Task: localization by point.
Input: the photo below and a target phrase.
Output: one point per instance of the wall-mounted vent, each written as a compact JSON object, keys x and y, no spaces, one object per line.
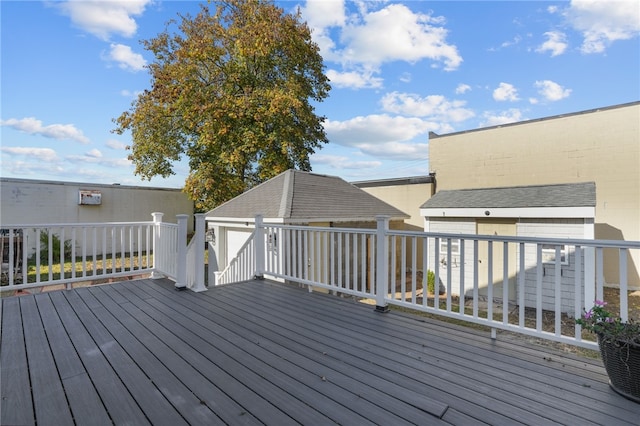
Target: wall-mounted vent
{"x":90,"y":198}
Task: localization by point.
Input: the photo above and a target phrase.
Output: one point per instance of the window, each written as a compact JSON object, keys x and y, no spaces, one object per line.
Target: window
{"x":549,"y":253}
{"x":455,"y":246}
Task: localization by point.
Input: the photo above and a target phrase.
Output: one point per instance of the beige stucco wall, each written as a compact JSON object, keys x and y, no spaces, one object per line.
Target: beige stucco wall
{"x":408,"y":198}
{"x":24,"y":202}
{"x":602,"y":146}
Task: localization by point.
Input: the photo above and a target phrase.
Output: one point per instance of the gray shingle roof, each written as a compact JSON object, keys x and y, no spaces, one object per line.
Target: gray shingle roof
{"x":562,"y":195}
{"x":299,"y":197}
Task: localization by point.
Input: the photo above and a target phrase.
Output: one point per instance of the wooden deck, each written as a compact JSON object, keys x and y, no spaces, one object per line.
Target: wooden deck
{"x":139,"y":352}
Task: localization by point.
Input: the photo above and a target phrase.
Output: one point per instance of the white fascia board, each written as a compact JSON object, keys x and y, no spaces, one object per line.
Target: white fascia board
{"x":529,"y":212}
{"x":226,"y":221}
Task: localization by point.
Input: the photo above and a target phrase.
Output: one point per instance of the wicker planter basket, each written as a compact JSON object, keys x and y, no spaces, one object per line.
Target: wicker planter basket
{"x":622,"y":362}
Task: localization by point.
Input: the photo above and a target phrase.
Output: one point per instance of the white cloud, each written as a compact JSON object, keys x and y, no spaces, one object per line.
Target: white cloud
{"x":396,"y":33}
{"x":126,"y":58}
{"x":341,"y":162}
{"x":435,"y":106}
{"x":603,"y":22}
{"x":556,"y":43}
{"x":114,"y":144}
{"x":385,"y":137}
{"x":41,"y":154}
{"x":33,"y":126}
{"x":34,"y":168}
{"x":94,"y":153}
{"x":397,"y":150}
{"x":551,"y":91}
{"x":405,"y":77}
{"x":129,"y":94}
{"x":462,"y":88}
{"x":322,"y":14}
{"x":104,"y":18}
{"x":353,"y":79}
{"x":516,"y":40}
{"x":365,"y":40}
{"x":505,"y":92}
{"x":373,"y":129}
{"x":96,"y":158}
{"x":510,"y":116}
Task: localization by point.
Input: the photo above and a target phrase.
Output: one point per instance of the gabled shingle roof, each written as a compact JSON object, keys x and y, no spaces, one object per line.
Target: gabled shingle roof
{"x":562,"y":195}
{"x":299,"y":197}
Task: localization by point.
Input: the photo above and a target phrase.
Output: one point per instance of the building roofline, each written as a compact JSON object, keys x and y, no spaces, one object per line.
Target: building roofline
{"x":412,"y":180}
{"x":85,"y":184}
{"x":433,"y":135}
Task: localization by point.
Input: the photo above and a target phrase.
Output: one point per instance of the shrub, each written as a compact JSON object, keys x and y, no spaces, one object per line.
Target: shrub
{"x":431,"y":281}
{"x":55,"y":247}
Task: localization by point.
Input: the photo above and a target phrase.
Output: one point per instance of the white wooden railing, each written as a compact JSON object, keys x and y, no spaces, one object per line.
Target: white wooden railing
{"x":533,"y":286}
{"x":195,"y":257}
{"x":40,"y":255}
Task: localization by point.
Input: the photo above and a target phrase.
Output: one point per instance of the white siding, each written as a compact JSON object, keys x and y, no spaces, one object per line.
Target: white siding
{"x":538,"y":228}
{"x":551,"y":228}
{"x":30,"y":202}
{"x":453,"y":226}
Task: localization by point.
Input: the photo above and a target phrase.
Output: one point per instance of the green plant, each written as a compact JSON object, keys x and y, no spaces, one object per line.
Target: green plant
{"x":431,"y":281}
{"x":600,"y":321}
{"x":55,"y":248}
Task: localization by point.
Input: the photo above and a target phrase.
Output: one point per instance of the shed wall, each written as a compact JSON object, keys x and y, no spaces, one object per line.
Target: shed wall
{"x":539,"y":228}
{"x":35,"y":202}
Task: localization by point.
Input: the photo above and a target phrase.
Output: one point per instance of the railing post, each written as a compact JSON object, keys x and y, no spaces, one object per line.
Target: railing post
{"x":199,"y":242}
{"x":589,"y":277}
{"x":382,"y":263}
{"x":589,"y":266}
{"x":181,"y":278}
{"x":259,"y":247}
{"x":157,"y":220}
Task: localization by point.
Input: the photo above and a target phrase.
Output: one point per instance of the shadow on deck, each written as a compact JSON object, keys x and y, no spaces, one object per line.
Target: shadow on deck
{"x":259,"y":352}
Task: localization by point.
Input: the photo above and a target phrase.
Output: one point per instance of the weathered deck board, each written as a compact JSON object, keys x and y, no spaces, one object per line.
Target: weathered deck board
{"x":82,"y":397}
{"x":325,"y":387}
{"x":265,"y":353}
{"x":48,"y":394}
{"x":17,"y":405}
{"x":118,"y":402}
{"x":300,"y":393}
{"x":394,"y":361}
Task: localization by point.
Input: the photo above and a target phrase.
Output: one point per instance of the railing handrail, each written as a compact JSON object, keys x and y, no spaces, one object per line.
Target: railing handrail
{"x":320,"y":228}
{"x":583,"y":242}
{"x":77,"y":224}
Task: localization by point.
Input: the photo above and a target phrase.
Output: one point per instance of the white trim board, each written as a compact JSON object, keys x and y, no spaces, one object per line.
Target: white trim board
{"x":528,"y":212}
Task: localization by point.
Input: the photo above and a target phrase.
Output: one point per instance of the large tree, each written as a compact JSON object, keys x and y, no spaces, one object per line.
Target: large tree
{"x":233,"y":91}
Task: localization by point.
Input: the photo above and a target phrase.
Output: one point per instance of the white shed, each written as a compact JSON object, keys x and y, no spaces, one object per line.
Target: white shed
{"x":542,"y":211}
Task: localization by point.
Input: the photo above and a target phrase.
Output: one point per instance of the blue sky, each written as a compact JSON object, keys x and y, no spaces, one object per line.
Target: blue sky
{"x":398,"y":70}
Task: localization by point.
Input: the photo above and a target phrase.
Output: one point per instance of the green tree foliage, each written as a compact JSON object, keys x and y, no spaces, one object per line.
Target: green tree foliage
{"x":233,"y":91}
